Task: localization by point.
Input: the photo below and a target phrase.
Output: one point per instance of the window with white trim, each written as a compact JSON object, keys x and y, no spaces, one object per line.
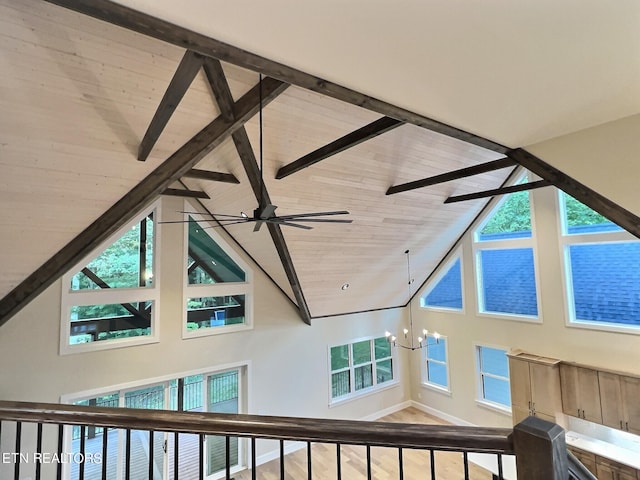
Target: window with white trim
{"x":360,"y":367}
{"x":492,"y":367}
{"x":109,"y":299}
{"x":217,"y":284}
{"x":445,"y":291}
{"x":602,"y":269}
{"x":505,"y":259}
{"x":436,"y":364}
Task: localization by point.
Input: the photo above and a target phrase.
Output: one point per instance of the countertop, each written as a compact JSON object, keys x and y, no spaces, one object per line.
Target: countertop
{"x":603,"y":449}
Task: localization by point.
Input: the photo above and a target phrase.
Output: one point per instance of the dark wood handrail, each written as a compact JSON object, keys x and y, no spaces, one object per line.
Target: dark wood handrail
{"x":405,"y":435}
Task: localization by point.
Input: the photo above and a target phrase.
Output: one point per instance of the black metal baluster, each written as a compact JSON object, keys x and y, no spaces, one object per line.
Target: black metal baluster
{"x":253,"y":458}
{"x":432,"y":456}
{"x":400,"y":464}
{"x":60,"y":438}
{"x":227,"y":456}
{"x":339,"y":471}
{"x":500,"y":472}
{"x":105,"y":434}
{"x":281,"y":459}
{"x":16,"y":464}
{"x":127,"y":456}
{"x":308,"y":460}
{"x":176,"y":442}
{"x":151,"y":454}
{"x":368,"y":462}
{"x":465,"y":461}
{"x":201,"y":457}
{"x":39,"y":450}
{"x":83,"y":431}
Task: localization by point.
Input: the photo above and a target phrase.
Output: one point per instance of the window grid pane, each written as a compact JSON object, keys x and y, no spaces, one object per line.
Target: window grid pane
{"x":494,"y":375}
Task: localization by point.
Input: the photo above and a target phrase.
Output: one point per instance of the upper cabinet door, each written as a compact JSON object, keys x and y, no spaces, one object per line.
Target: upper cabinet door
{"x":569,"y":384}
{"x":520,"y":384}
{"x":545,"y":389}
{"x":630,"y":390}
{"x":589,"y":395}
{"x":611,"y":400}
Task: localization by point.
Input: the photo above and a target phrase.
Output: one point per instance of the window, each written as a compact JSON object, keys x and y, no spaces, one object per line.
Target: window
{"x":112,"y":296}
{"x":602,"y":269}
{"x":218,"y":285}
{"x":505,"y":260}
{"x":446,"y":290}
{"x":493,"y":377}
{"x":436,"y":370}
{"x":220,"y":392}
{"x":360,"y":367}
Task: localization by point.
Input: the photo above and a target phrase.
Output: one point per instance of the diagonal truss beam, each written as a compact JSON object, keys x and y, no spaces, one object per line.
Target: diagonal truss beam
{"x":142,"y":194}
{"x":145,"y":24}
{"x":499,"y":191}
{"x":453,"y":175}
{"x":352,"y":139}
{"x":182,"y":79}
{"x":212,"y":176}
{"x":592,"y":199}
{"x":222,"y":94}
{"x":182,"y":192}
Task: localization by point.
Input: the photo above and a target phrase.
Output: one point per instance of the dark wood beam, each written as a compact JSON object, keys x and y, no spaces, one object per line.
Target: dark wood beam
{"x":352,"y":139}
{"x":142,"y":194}
{"x":145,"y":24}
{"x":182,"y":79}
{"x":212,"y":176}
{"x":219,"y":86}
{"x":453,"y":175}
{"x":179,"y":192}
{"x":222,"y":94}
{"x":592,"y":199}
{"x":499,"y":191}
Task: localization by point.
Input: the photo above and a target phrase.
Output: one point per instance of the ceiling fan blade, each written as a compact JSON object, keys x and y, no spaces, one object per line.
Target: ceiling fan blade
{"x":315,"y":214}
{"x":258,"y":225}
{"x":212,"y":214}
{"x":268,"y":211}
{"x":297,"y":225}
{"x":320,"y":220}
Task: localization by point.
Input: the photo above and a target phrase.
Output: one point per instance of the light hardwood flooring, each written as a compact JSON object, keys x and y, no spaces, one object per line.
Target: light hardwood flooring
{"x":384,"y":461}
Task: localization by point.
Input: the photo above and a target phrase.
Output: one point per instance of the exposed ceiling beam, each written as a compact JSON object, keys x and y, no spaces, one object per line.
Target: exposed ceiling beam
{"x":614,"y":212}
{"x":352,"y":139}
{"x":499,"y":191}
{"x":179,"y":192}
{"x":212,"y":176}
{"x":222,"y":93}
{"x":453,"y":175}
{"x":182,"y":79}
{"x":145,"y":24}
{"x":142,"y":194}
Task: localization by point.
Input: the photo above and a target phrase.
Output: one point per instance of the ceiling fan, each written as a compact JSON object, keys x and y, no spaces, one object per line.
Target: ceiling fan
{"x":265,"y":213}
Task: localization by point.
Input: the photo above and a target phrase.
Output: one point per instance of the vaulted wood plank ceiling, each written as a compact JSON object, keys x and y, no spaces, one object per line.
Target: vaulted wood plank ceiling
{"x":80,"y":94}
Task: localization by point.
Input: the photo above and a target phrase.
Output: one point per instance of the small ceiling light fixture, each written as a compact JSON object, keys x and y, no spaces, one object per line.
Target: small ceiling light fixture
{"x":409,"y":339}
{"x":345,"y":286}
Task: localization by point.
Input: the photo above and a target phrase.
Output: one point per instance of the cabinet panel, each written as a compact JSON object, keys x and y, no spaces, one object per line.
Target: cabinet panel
{"x":520,"y":383}
{"x":545,"y":389}
{"x":569,"y":387}
{"x":630,"y":391}
{"x":611,"y":400}
{"x":580,"y":392}
{"x":588,"y":459}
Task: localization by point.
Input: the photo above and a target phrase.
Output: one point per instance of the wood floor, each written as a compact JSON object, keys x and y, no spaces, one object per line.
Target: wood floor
{"x":384,"y":461}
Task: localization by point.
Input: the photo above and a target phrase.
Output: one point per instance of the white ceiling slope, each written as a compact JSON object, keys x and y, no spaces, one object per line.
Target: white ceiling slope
{"x":77,"y":95}
{"x":514,"y":72}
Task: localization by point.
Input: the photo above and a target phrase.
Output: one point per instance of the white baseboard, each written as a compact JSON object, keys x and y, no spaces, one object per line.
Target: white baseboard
{"x":387,"y":411}
{"x":442,"y":415}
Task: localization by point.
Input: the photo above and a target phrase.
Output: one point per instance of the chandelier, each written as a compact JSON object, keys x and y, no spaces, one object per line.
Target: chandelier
{"x":410,"y":342}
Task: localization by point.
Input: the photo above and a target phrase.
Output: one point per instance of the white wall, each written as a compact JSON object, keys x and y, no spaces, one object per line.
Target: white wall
{"x":552,"y":338}
{"x":288,"y":359}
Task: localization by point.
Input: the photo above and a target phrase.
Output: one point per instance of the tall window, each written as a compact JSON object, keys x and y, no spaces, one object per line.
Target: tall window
{"x":602,"y":269}
{"x":492,"y":368}
{"x":446,"y":289}
{"x":219,"y":392}
{"x":218,"y":284}
{"x":504,"y":258}
{"x":436,"y":369}
{"x":360,"y":367}
{"x":111,"y":297}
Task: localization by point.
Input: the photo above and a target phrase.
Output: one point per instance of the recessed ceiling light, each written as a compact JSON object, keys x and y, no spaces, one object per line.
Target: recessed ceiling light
{"x":344,"y":286}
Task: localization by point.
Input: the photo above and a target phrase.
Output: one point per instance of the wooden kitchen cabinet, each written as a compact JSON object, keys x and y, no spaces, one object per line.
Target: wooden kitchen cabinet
{"x":619,"y":399}
{"x":588,"y":459}
{"x":535,"y":387}
{"x":580,"y":392}
{"x":609,"y":470}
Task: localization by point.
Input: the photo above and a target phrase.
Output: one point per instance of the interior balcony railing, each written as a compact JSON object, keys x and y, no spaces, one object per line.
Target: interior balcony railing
{"x":36,"y":441}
